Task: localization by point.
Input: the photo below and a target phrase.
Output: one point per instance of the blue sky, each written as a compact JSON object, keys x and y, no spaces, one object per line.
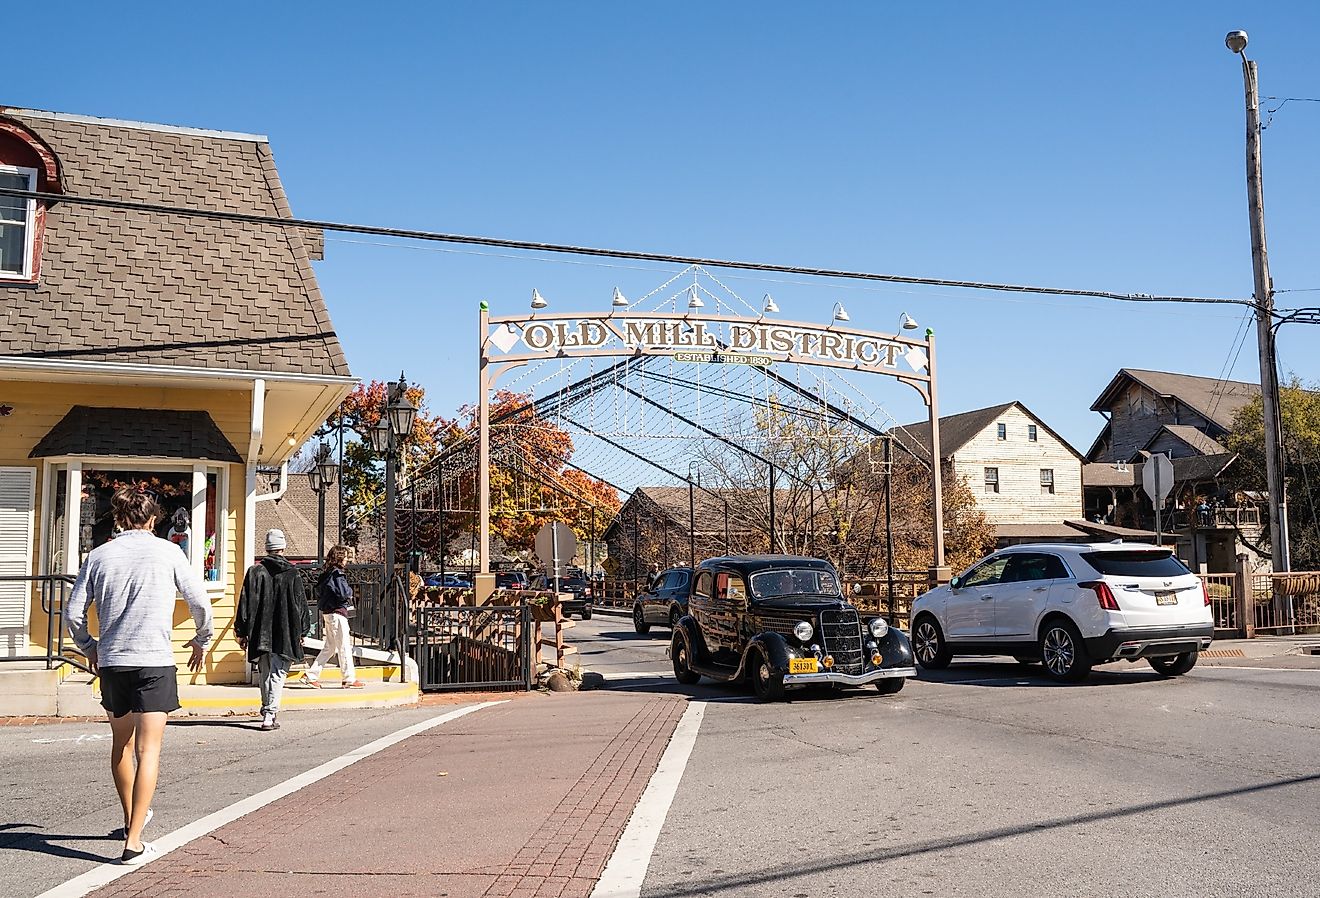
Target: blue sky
{"x":1081,"y":145}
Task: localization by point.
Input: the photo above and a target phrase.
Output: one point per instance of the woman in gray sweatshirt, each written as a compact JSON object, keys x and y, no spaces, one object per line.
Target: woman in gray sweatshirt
{"x":133,"y":580}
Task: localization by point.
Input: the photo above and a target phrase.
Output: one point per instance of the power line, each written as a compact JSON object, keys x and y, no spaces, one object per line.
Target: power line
{"x":508,"y":243}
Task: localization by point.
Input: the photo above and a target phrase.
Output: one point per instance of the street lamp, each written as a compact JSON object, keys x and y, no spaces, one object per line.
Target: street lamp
{"x":907,"y":322}
{"x":1236,"y":41}
{"x":770,"y":307}
{"x":692,"y":516}
{"x":322,"y":477}
{"x":840,"y":313}
{"x":388,"y":436}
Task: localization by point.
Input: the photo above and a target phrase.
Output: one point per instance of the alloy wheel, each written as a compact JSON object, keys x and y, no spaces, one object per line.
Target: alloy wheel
{"x":1058,"y":651}
{"x":926,"y":642}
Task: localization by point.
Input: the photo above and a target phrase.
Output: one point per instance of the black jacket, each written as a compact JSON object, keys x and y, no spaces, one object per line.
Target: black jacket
{"x":333,"y":592}
{"x":272,"y":610}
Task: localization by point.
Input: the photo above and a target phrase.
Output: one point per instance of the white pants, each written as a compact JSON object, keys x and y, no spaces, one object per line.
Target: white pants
{"x":338,"y":641}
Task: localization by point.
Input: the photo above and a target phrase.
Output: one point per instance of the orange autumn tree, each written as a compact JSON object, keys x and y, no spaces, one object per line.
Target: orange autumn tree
{"x":531,"y":482}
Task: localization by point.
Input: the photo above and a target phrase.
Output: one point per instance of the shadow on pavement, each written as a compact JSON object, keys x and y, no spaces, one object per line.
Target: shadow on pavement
{"x":1012,"y":674}
{"x":227,"y":723}
{"x":846,"y":862}
{"x":44,"y":843}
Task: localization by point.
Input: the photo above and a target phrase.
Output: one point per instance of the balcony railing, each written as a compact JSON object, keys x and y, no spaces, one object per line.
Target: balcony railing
{"x":1246,"y":518}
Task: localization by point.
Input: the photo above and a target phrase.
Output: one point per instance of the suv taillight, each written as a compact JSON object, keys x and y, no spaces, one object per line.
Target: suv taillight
{"x":1103,"y":594}
{"x":1205,"y":594}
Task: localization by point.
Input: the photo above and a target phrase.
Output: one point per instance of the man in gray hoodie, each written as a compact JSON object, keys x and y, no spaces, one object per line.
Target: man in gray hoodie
{"x":272,"y":618}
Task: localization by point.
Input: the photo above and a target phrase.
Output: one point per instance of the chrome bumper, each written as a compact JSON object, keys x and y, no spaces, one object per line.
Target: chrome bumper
{"x":848,"y":679}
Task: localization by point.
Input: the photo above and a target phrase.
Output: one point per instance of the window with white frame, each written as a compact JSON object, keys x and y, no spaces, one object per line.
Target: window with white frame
{"x":18,"y":223}
{"x":1002,"y":431}
{"x":992,"y":480}
{"x":1047,"y":481}
{"x":192,"y":499}
{"x":1032,"y":434}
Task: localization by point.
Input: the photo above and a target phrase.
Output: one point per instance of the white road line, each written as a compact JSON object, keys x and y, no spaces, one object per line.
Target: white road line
{"x":1209,"y":667}
{"x":615,"y":675}
{"x":107,"y":873}
{"x":627,"y":866}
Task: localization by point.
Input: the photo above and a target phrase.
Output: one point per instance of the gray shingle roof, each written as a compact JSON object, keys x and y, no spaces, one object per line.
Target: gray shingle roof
{"x":295,"y":513}
{"x":137,"y":432}
{"x":136,"y":287}
{"x":1193,"y":438}
{"x":1216,"y":400}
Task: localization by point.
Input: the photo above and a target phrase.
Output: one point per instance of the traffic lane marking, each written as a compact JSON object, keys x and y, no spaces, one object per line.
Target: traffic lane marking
{"x":626,"y":869}
{"x":107,"y":873}
{"x":85,"y":737}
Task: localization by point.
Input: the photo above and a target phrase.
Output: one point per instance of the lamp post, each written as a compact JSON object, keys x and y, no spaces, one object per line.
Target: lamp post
{"x":322,"y":477}
{"x":387,"y":438}
{"x":1236,"y":41}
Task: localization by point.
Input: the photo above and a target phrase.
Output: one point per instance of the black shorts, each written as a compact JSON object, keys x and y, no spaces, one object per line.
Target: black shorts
{"x":138,"y":689}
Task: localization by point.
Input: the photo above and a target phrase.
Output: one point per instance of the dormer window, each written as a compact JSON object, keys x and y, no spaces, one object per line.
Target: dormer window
{"x":18,"y":223}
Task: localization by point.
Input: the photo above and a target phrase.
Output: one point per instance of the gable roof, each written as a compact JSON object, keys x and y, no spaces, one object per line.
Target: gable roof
{"x":958,"y":430}
{"x":296,"y":513}
{"x":1215,"y":400}
{"x":1192,"y":437}
{"x":137,"y":287}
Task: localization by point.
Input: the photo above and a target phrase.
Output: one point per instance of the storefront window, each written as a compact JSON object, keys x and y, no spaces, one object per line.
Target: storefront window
{"x":192,"y":501}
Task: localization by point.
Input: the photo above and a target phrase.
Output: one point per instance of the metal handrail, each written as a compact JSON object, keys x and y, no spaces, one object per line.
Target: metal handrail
{"x":54,"y":656}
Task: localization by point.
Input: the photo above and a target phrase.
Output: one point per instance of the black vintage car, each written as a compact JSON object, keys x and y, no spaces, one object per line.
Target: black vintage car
{"x":780,"y":621}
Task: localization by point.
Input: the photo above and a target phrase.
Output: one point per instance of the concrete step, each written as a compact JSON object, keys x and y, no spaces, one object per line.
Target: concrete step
{"x":28,"y":689}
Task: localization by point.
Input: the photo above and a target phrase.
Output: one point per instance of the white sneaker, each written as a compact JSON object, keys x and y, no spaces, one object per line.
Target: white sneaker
{"x":122,"y":832}
{"x":149,"y":852}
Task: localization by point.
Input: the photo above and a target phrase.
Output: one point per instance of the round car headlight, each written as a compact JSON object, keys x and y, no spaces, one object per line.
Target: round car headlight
{"x":802,"y":630}
{"x":879,"y":627}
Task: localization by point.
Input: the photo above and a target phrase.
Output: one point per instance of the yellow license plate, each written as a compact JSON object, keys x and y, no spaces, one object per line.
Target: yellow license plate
{"x":803,"y":665}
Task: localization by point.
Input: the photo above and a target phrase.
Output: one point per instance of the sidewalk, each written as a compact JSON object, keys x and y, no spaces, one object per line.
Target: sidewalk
{"x":522,"y":799}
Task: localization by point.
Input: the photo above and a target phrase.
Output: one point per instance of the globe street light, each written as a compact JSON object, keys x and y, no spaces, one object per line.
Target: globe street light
{"x":322,"y":477}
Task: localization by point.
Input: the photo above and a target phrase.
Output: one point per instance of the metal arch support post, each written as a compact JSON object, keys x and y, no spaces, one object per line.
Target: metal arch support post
{"x":939,"y":572}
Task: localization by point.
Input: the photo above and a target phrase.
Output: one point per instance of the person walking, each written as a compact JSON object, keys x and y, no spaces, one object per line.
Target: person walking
{"x":133,"y":581}
{"x":272,"y":618}
{"x":334,"y":599}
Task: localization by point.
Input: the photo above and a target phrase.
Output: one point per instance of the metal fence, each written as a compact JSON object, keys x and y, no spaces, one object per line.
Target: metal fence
{"x":1246,"y":603}
{"x":487,"y":647}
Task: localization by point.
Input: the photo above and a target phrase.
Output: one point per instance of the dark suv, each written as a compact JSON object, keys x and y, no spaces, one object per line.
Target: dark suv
{"x":578,"y":589}
{"x":665,"y":601}
{"x":780,"y":621}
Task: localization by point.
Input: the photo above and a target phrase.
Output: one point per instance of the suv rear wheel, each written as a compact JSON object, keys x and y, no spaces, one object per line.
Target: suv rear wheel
{"x":674,"y":616}
{"x":928,"y":644}
{"x":1174,"y":665}
{"x":1062,"y":651}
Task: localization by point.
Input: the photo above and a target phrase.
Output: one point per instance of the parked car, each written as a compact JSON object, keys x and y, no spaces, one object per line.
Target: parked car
{"x":510,"y":580}
{"x":579,"y":589}
{"x":781,"y":622}
{"x":665,"y":601}
{"x":1070,"y":606}
{"x":448,"y":581}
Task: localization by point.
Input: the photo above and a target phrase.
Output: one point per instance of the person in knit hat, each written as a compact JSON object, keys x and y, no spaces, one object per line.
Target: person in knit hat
{"x":272,"y":618}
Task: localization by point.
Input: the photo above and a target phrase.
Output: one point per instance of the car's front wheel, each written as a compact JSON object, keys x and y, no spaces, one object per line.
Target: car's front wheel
{"x":678,"y":651}
{"x":1174,"y":665}
{"x":767,"y":683}
{"x":890,"y":686}
{"x":639,"y":620}
{"x":1063,"y":653}
{"x":586,"y":613}
{"x":928,"y":644}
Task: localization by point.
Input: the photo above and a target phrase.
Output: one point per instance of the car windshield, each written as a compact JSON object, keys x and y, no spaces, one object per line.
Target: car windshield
{"x":1136,"y":563}
{"x":788,"y":582}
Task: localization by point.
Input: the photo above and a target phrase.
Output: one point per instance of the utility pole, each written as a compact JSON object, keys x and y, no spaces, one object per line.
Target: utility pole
{"x":1264,"y":299}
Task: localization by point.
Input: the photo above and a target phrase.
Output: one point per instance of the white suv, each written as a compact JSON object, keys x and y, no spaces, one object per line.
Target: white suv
{"x":1069,"y":606}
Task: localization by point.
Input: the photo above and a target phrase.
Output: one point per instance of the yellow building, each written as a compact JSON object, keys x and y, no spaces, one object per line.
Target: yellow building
{"x":141,"y":347}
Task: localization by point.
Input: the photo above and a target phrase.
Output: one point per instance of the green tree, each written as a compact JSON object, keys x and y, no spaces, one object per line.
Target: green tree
{"x":1299,"y":409}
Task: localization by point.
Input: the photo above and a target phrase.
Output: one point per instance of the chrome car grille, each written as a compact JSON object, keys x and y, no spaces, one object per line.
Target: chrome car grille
{"x":781,"y":623}
{"x":842,"y":635}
